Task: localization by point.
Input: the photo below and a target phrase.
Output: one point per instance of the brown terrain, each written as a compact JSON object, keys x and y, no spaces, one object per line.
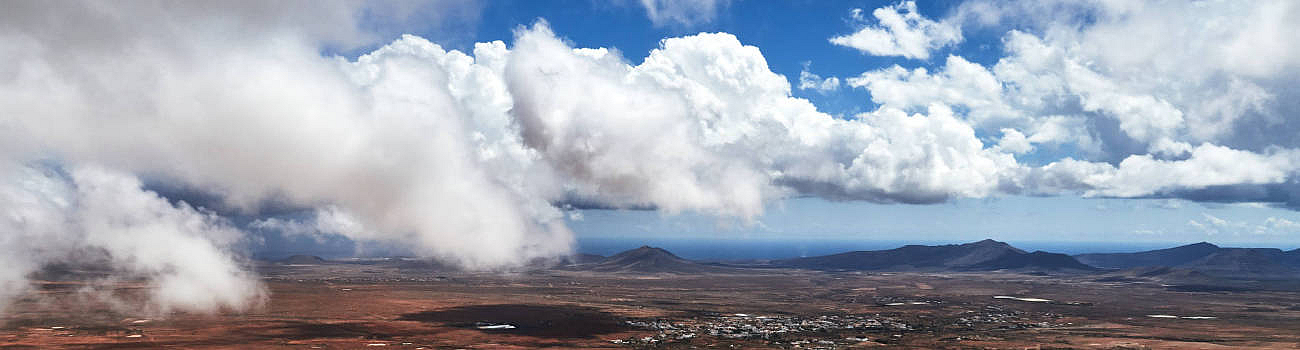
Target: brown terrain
{"x":404,"y":305}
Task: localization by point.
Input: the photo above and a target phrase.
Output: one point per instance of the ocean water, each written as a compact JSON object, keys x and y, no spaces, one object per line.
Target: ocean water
{"x":768,"y":248}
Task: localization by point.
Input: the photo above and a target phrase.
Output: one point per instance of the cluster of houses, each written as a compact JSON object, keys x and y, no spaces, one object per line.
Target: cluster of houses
{"x":791,"y":330}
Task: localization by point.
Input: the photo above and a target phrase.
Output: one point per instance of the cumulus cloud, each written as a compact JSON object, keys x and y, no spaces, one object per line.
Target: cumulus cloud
{"x":900,"y":31}
{"x":1208,"y":165}
{"x":1014,"y":141}
{"x":1101,"y":72}
{"x":457,"y":156}
{"x":682,"y":12}
{"x":329,"y":220}
{"x":1164,"y":113}
{"x":960,"y":83}
{"x":462,"y":155}
{"x":811,"y":81}
{"x":472,"y":157}
{"x":236,"y":100}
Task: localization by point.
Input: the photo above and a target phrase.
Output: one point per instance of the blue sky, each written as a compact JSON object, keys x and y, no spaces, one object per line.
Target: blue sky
{"x":793,"y":37}
{"x":172,"y":140}
{"x":487,"y":133}
{"x":1123,"y":222}
{"x":792,"y":34}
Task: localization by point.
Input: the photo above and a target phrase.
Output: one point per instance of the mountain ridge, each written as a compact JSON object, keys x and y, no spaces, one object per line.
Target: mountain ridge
{"x":1206,"y":258}
{"x":985,"y":254}
{"x":1159,"y":257}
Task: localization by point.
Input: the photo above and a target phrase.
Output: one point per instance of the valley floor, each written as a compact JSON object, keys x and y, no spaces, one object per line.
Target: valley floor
{"x":344,"y":307}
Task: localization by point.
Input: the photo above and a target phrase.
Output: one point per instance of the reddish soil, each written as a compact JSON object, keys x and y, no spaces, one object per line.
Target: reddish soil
{"x":351,"y":310}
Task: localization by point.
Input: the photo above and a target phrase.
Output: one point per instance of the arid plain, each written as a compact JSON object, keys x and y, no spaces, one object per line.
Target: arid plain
{"x":408,"y":305}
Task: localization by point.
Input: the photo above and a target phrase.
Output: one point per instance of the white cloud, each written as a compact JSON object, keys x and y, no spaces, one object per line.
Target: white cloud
{"x":703,"y":124}
{"x":1201,"y":227}
{"x":682,"y":12}
{"x":412,"y":141}
{"x":925,"y":158}
{"x":463,"y":156}
{"x":1169,"y":204}
{"x":900,"y":31}
{"x":1215,"y":221}
{"x":810,"y":81}
{"x":960,"y":83}
{"x":1166,"y":90}
{"x":575,"y":215}
{"x":1169,"y":110}
{"x":329,"y":220}
{"x":1143,"y":175}
{"x":1014,"y":142}
{"x":96,"y":217}
{"x":1253,"y":205}
{"x":1214,"y":225}
{"x":1280,"y":225}
{"x":1271,"y":226}
{"x":460,"y":156}
{"x":1208,"y":165}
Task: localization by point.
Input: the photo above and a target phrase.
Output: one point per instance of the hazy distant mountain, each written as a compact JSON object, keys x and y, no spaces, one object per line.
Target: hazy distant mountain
{"x":983,"y":255}
{"x":647,"y":260}
{"x":1162,"y":257}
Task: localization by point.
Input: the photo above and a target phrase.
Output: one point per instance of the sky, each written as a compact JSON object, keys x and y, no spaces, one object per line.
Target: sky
{"x":174,"y":140}
{"x":796,"y":41}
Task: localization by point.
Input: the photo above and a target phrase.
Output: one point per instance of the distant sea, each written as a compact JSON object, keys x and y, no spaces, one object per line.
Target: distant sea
{"x":768,"y":248}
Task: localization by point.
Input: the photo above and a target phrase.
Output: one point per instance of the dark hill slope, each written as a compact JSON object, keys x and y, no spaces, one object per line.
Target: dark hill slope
{"x":1292,"y":257}
{"x":1037,"y":260}
{"x":1208,"y":259}
{"x":1162,"y":257}
{"x":568,"y":260}
{"x":648,"y":260}
{"x":582,"y":259}
{"x":1245,"y":261}
{"x":983,"y":255}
